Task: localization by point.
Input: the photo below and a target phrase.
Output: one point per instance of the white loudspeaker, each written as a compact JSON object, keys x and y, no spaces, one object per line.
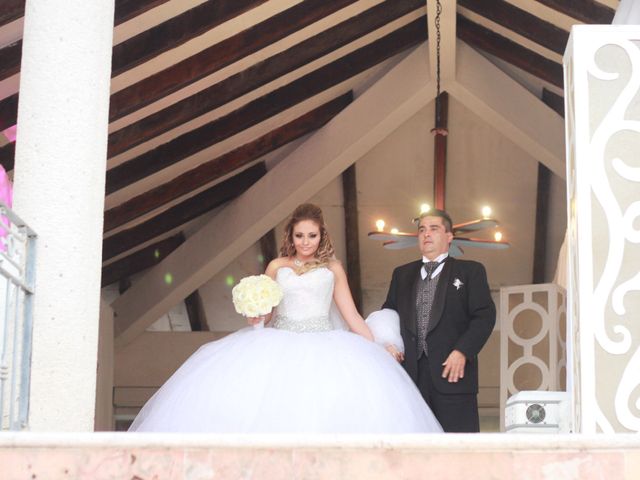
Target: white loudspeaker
{"x":537,"y":412}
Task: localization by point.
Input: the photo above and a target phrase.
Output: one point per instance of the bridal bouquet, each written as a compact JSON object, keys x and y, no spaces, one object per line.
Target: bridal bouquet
{"x":256,"y":295}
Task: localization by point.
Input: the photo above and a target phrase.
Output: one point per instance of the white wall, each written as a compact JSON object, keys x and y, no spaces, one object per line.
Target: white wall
{"x":393,"y":180}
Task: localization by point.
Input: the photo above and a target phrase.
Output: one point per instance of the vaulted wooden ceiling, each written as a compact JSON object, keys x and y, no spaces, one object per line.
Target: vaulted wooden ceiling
{"x":205,"y":92}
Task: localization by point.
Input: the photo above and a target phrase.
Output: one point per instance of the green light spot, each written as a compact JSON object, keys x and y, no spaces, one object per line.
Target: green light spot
{"x":156,"y":254}
{"x":261,"y":258}
{"x":230,"y":280}
{"x":168,"y":278}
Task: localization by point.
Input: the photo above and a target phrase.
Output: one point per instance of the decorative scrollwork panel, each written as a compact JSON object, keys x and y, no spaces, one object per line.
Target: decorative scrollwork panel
{"x":602,"y":69}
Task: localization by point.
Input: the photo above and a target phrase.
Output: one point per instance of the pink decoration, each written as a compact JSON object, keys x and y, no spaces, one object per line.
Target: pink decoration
{"x":6,"y":196}
{"x":11,"y":133}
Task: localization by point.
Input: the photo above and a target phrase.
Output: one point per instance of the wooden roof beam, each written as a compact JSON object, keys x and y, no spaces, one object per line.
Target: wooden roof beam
{"x":140,"y":260}
{"x":176,"y":31}
{"x":521,"y":22}
{"x":181,"y":213}
{"x":587,"y":11}
{"x":216,"y":57}
{"x":10,"y":57}
{"x":7,"y":156}
{"x":264,"y":107}
{"x":8,"y":111}
{"x":224,"y":164}
{"x":11,"y":10}
{"x":269,"y":70}
{"x":484,"y":39}
{"x":220,"y":55}
{"x":553,"y":101}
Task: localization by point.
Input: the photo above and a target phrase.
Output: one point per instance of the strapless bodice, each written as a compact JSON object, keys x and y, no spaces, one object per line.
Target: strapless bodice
{"x":306,"y":301}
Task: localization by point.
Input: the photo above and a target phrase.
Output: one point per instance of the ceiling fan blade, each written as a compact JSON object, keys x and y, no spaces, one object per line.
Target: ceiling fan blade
{"x":474,"y":225}
{"x":480,"y":243}
{"x":400,"y":244}
{"x":386,"y":236}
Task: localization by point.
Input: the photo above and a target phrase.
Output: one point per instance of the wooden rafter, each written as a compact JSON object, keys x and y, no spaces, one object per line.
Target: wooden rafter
{"x":266,"y":106}
{"x":11,"y":10}
{"x":220,"y":55}
{"x":521,"y":22}
{"x":587,"y":11}
{"x":554,"y":101}
{"x":176,"y":31}
{"x":7,"y":155}
{"x":224,"y":164}
{"x":196,"y":313}
{"x":541,"y":226}
{"x":268,"y":247}
{"x":352,"y":239}
{"x":268,"y":70}
{"x":154,"y":41}
{"x":8,"y":111}
{"x":181,"y":213}
{"x":127,"y":9}
{"x":440,"y":154}
{"x":140,"y":260}
{"x":10,"y":57}
{"x":479,"y":37}
{"x":216,"y":57}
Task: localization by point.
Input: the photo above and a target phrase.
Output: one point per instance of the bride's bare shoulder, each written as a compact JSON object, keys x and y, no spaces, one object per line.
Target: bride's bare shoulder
{"x":275,"y":265}
{"x":335,"y":266}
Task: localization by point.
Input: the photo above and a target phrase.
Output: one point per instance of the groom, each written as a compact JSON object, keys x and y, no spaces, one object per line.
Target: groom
{"x":446,"y":316}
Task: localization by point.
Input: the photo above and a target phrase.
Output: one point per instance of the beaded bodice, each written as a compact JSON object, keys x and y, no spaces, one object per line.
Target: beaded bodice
{"x":306,"y":301}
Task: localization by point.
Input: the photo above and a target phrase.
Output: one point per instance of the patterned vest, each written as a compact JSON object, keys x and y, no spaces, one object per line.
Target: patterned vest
{"x":425,"y":293}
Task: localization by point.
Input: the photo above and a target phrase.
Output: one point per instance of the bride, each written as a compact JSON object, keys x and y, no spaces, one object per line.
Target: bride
{"x":302,"y":375}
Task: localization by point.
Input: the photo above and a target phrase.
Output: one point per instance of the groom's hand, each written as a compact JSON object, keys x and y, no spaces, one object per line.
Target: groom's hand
{"x":454,"y":366}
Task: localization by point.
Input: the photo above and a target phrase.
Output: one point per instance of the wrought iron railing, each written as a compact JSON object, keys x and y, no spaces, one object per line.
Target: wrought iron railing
{"x":17,"y":275}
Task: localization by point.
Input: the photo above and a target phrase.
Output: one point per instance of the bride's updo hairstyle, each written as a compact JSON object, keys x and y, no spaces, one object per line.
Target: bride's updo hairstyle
{"x":325,"y":251}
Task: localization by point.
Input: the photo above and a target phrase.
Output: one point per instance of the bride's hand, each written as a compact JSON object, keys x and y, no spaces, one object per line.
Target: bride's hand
{"x":395,"y":353}
{"x":256,"y":320}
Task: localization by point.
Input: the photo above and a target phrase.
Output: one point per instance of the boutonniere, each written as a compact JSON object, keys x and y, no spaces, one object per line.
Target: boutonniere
{"x":457,"y":283}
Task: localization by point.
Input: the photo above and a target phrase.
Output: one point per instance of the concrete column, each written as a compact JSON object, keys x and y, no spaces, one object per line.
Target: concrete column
{"x":59,"y":191}
{"x":602,"y":87}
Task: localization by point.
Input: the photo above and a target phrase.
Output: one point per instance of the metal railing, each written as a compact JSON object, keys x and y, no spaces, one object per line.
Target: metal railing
{"x":17,"y":276}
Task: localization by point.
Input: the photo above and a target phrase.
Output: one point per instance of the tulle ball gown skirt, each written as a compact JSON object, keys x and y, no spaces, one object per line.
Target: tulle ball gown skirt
{"x":278,"y":381}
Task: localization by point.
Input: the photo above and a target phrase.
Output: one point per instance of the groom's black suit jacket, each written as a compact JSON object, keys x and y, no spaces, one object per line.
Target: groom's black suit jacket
{"x":462,"y":318}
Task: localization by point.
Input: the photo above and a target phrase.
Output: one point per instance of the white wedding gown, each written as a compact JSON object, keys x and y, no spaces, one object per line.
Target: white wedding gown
{"x":302,"y":376}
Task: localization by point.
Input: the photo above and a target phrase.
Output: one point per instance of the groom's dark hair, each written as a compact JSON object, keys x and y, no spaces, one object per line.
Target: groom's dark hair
{"x":434,"y":212}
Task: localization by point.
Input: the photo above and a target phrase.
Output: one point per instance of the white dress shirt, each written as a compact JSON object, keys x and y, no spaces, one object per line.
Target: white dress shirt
{"x":436,"y":272}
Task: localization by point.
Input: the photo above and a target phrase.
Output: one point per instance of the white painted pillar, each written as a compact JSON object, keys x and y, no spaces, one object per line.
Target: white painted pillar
{"x":602,"y":86}
{"x":59,"y":191}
